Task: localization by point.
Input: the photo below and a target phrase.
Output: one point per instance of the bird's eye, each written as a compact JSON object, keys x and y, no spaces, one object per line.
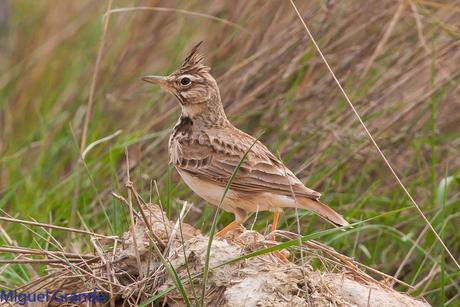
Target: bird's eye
{"x":185,"y":81}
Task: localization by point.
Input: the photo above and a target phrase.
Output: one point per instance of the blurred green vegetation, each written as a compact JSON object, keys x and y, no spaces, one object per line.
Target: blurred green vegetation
{"x":404,"y":80}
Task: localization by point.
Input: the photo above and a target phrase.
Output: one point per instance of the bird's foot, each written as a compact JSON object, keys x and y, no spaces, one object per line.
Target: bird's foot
{"x":281,"y":256}
{"x":227,"y":229}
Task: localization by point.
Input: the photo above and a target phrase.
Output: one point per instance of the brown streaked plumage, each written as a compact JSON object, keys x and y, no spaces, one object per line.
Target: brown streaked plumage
{"x":206,"y":148}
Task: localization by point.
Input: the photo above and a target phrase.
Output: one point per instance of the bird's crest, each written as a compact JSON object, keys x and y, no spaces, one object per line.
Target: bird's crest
{"x":193,"y":62}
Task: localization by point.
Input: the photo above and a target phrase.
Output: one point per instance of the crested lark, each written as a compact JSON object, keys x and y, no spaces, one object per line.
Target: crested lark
{"x":206,"y":148}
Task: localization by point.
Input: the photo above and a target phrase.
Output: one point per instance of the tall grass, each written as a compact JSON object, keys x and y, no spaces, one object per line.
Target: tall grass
{"x":271,"y":80}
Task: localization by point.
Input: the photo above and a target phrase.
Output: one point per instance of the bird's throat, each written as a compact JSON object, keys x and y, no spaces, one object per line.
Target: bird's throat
{"x":205,"y":113}
{"x":191,"y":110}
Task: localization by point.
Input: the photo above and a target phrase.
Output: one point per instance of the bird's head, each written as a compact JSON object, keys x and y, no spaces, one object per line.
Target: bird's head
{"x":191,"y":83}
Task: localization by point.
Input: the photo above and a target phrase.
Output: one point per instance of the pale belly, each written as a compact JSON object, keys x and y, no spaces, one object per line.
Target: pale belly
{"x":212,"y":193}
{"x":235,"y":201}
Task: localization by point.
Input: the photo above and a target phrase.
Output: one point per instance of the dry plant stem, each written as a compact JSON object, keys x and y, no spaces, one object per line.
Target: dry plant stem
{"x":131,"y":214}
{"x":18,"y":221}
{"x":174,"y":10}
{"x":189,"y":275}
{"x":123,"y":201}
{"x":88,"y":275}
{"x":108,"y":267}
{"x":6,"y":236}
{"x":89,"y":109}
{"x":418,"y":23}
{"x":421,"y":36}
{"x":147,"y":223}
{"x":149,"y":229}
{"x":296,"y":216}
{"x":58,"y":244}
{"x":37,"y":261}
{"x":49,"y":240}
{"x":161,"y":206}
{"x":373,"y":141}
{"x":385,"y":37}
{"x":343,"y":260}
{"x":406,"y":259}
{"x":97,"y":142}
{"x":31,"y":251}
{"x":426,"y":280}
{"x":367,"y":142}
{"x":168,"y":251}
{"x":13,"y":245}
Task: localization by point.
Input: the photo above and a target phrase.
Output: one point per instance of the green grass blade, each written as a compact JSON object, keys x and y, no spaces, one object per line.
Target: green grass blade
{"x":215,"y":220}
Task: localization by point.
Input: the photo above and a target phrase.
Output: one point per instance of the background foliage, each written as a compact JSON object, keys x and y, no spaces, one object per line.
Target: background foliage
{"x":398,"y":60}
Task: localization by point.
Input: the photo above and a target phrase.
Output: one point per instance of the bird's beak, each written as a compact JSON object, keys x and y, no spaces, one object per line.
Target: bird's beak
{"x":158,"y":80}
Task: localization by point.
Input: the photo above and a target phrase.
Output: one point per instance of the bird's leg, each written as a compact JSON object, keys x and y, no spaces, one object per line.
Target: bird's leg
{"x":240,"y":217}
{"x":228,"y":228}
{"x":276,"y":218}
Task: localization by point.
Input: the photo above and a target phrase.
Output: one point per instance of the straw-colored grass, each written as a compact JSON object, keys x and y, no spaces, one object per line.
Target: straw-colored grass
{"x":399,"y":62}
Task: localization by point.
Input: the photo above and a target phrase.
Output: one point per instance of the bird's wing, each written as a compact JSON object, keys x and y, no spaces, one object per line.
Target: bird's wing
{"x":213,"y":156}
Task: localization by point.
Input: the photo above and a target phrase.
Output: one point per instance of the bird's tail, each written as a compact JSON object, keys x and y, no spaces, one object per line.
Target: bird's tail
{"x":322,"y":210}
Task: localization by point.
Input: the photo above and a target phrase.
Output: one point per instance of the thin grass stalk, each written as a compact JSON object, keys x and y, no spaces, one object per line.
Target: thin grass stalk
{"x":374,"y":142}
{"x":216,"y":219}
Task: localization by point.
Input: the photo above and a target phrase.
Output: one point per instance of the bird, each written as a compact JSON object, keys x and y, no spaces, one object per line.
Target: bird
{"x":206,"y":148}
